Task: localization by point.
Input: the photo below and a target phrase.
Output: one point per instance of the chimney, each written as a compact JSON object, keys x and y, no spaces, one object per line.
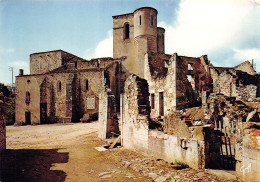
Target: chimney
{"x":20,"y":72}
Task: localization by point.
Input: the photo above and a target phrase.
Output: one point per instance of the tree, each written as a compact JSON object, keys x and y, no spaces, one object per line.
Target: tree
{"x":9,"y":98}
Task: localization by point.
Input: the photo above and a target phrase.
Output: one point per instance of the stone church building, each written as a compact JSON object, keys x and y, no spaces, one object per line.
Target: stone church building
{"x":174,"y":107}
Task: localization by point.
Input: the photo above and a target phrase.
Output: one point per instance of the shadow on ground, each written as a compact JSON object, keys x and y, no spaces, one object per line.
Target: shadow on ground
{"x":31,"y":165}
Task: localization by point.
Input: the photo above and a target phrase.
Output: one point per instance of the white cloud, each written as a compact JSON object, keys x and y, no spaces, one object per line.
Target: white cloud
{"x":9,"y":50}
{"x":204,"y":27}
{"x":20,"y":65}
{"x":248,"y":54}
{"x":103,"y":49}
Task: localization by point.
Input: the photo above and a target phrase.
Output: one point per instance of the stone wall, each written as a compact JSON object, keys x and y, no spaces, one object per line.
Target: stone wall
{"x":95,"y":63}
{"x":108,"y":122}
{"x":125,"y":47}
{"x":136,"y":134}
{"x":44,"y":62}
{"x":68,"y":93}
{"x":161,"y":80}
{"x":237,"y":84}
{"x":169,"y":75}
{"x":247,"y":152}
{"x":246,"y":67}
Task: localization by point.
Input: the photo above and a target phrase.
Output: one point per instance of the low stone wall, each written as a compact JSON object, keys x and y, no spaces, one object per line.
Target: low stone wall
{"x":168,"y":147}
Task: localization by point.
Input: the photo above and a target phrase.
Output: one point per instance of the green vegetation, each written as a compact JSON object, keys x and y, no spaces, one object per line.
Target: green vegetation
{"x":9,"y":104}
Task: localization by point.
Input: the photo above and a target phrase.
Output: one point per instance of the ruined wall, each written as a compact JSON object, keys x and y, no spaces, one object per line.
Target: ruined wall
{"x":225,"y":84}
{"x":95,"y":63}
{"x":135,"y":121}
{"x":176,"y":149}
{"x":161,"y":79}
{"x":246,"y":67}
{"x":102,"y":115}
{"x":237,"y":84}
{"x":169,"y":75}
{"x":247,"y":152}
{"x":136,"y":134}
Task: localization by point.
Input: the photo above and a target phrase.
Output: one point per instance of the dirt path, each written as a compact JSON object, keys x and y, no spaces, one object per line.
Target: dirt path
{"x":66,"y":152}
{"x":61,"y":152}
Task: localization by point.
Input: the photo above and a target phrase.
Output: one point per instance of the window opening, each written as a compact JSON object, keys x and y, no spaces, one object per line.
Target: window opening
{"x":28,"y":98}
{"x":140,"y":20}
{"x":127,"y":31}
{"x":59,"y":86}
{"x":107,"y":79}
{"x":152,"y":101}
{"x":86,"y":85}
{"x":161,"y":104}
{"x":191,"y":80}
{"x":152,"y":20}
{"x":190,"y":66}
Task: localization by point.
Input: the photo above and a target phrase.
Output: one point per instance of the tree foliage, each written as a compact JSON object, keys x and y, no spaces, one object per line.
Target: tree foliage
{"x":9,"y":99}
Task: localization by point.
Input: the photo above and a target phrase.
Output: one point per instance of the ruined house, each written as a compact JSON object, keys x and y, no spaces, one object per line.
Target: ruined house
{"x":179,"y":108}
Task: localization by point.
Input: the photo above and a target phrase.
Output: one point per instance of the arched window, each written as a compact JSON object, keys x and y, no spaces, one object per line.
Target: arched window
{"x":28,"y":98}
{"x":126,"y":31}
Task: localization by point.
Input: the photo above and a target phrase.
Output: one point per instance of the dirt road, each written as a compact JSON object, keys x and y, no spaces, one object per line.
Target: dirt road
{"x":60,"y":152}
{"x":66,"y":152}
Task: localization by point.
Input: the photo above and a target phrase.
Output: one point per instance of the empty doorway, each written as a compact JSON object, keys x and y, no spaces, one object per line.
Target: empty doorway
{"x":161,"y":104}
{"x":27,"y":117}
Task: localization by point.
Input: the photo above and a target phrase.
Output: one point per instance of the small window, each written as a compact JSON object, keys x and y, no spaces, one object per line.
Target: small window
{"x":59,"y":86}
{"x":28,"y":98}
{"x":190,"y":66}
{"x":126,"y":31}
{"x":86,"y":86}
{"x":152,"y":20}
{"x":140,"y":20}
{"x":152,"y":101}
{"x":107,"y":79}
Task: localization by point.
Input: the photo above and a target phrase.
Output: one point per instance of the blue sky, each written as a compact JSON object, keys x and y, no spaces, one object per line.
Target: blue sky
{"x":226,"y":30}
